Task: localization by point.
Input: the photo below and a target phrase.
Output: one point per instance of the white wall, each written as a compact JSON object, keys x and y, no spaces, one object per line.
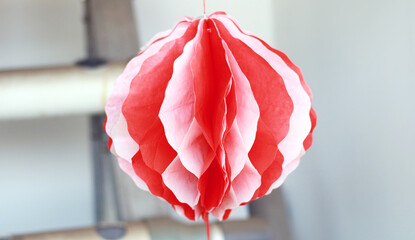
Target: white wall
{"x":159,"y":15}
{"x":40,"y":33}
{"x":45,"y":175}
{"x":357,"y":182}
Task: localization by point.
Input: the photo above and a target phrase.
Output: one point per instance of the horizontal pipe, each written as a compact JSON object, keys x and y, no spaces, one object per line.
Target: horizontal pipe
{"x":56,"y":91}
{"x":132,"y":231}
{"x":161,"y":229}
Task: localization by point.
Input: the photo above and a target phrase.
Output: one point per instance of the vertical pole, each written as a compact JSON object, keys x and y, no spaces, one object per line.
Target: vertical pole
{"x":107,"y":208}
{"x":92,"y":59}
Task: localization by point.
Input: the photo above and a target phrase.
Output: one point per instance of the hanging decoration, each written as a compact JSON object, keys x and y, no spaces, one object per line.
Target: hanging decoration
{"x":209,"y":117}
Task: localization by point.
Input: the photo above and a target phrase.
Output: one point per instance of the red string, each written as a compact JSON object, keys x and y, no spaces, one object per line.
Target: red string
{"x":206,"y":220}
{"x":204,"y":7}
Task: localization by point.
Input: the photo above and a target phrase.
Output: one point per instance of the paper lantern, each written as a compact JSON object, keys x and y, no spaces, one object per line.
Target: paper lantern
{"x":209,"y":117}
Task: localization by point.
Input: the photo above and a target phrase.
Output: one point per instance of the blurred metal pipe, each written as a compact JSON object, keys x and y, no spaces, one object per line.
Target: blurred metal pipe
{"x":107,"y":205}
{"x":56,"y":91}
{"x":166,"y":229}
{"x":111,"y":31}
{"x":92,"y":59}
{"x":134,"y":231}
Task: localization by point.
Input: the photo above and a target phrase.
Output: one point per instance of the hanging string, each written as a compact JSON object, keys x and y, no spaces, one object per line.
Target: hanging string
{"x":204,"y":9}
{"x":206,"y":220}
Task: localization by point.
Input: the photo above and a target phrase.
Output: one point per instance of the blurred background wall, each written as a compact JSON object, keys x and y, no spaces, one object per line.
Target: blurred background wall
{"x":39,"y":33}
{"x":45,"y":175}
{"x":356,"y":182}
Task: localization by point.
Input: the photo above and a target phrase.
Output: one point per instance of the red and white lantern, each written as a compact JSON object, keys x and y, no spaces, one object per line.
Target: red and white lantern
{"x":209,"y":117}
